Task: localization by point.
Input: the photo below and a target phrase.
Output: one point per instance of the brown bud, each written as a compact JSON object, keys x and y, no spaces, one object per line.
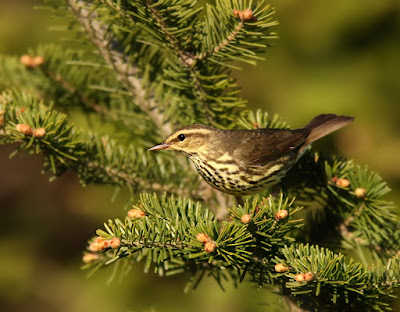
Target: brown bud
{"x":341,"y":182}
{"x":189,"y":61}
{"x":39,"y":133}
{"x":31,"y":62}
{"x":238,"y":14}
{"x":24,"y":128}
{"x":27,"y":60}
{"x":281,"y":214}
{"x":114,"y":242}
{"x":136,"y":213}
{"x":308,"y":277}
{"x":280,"y":268}
{"x":38,"y":61}
{"x":202,"y":238}
{"x":248,"y":16}
{"x":299,"y":277}
{"x":98,"y":245}
{"x":89,"y":258}
{"x":210,"y":246}
{"x":246,"y":218}
{"x":360,"y":192}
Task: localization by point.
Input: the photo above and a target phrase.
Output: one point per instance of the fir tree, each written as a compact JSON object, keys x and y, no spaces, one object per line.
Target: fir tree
{"x":147,"y":67}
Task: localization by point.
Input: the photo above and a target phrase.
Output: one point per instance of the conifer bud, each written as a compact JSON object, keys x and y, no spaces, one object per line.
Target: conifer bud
{"x":24,"y":128}
{"x":136,"y":213}
{"x":202,"y":238}
{"x":248,"y":16}
{"x":360,"y":192}
{"x":343,"y":183}
{"x":280,"y":268}
{"x":38,"y":61}
{"x":308,"y":277}
{"x":281,"y":214}
{"x":238,"y":14}
{"x":114,"y":242}
{"x":299,"y":277}
{"x":89,"y":258}
{"x":98,"y":245}
{"x":31,"y":62}
{"x":39,"y":133}
{"x":26,"y":60}
{"x":210,"y":246}
{"x":246,"y":218}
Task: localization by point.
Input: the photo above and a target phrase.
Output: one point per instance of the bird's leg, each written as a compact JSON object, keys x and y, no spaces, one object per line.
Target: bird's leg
{"x":239,"y":200}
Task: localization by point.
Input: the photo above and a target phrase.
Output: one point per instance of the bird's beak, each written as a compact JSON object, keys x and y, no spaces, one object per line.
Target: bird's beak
{"x":159,"y":147}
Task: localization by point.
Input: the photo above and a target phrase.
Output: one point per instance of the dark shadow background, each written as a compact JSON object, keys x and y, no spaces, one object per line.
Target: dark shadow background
{"x":332,"y":57}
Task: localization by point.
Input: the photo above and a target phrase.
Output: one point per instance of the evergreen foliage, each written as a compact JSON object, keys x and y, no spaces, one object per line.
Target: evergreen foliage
{"x":152,"y":66}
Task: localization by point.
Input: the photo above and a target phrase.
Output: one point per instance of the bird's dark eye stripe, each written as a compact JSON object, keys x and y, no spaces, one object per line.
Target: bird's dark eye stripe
{"x":181,"y":137}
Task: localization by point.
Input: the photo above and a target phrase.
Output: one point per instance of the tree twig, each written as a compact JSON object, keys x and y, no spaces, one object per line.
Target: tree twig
{"x":223,"y":44}
{"x":126,"y":72}
{"x":186,"y":58}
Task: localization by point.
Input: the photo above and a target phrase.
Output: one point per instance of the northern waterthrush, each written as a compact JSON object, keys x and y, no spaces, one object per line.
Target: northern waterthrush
{"x":243,"y":162}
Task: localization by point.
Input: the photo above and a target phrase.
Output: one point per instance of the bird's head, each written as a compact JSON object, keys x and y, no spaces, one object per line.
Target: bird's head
{"x":188,"y":140}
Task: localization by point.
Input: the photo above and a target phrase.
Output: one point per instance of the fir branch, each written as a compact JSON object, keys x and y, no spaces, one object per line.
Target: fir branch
{"x":224,"y":43}
{"x":85,"y":100}
{"x":94,"y":159}
{"x":259,"y":120}
{"x":75,"y":91}
{"x":203,"y":84}
{"x":15,"y":75}
{"x":231,"y":36}
{"x":127,"y":73}
{"x":335,"y":282}
{"x":242,"y":244}
{"x":176,"y":230}
{"x":73,"y":78}
{"x":186,"y":58}
{"x":366,"y":219}
{"x":121,"y":177}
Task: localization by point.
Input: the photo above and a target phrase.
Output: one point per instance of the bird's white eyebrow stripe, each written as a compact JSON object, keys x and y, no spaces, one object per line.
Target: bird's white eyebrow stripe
{"x":191,"y":131}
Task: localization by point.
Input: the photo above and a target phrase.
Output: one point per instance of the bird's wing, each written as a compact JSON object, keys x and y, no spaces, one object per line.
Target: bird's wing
{"x":268,"y":145}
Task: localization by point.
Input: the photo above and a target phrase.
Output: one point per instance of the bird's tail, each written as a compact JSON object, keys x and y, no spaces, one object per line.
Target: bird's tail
{"x":324,"y":124}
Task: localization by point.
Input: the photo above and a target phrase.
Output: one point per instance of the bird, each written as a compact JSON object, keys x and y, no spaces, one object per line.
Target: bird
{"x":244,"y":162}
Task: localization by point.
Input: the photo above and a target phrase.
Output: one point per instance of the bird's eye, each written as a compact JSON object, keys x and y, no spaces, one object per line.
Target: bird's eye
{"x":181,"y":137}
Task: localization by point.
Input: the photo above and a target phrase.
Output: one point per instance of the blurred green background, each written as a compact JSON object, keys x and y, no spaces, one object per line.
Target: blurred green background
{"x":332,"y":57}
